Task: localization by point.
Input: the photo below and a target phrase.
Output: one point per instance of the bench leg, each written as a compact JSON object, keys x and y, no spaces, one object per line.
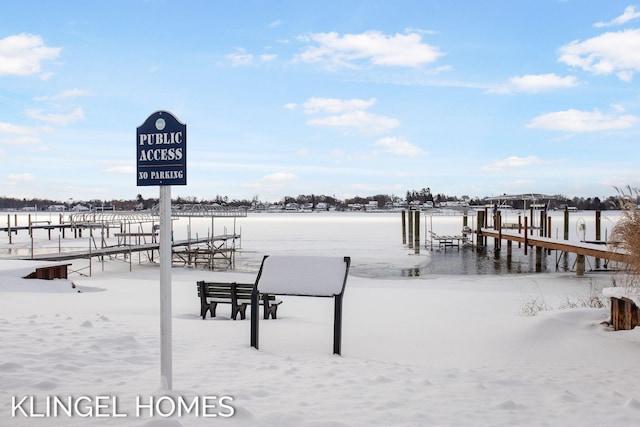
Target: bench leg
{"x":240,"y":308}
{"x":209,"y":307}
{"x":272,"y":310}
{"x":268,"y":308}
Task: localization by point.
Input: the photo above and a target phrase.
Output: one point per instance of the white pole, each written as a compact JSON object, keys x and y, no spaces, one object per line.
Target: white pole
{"x":166,"y":373}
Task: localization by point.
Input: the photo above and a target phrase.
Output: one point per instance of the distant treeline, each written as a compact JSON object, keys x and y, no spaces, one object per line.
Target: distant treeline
{"x":313,"y":200}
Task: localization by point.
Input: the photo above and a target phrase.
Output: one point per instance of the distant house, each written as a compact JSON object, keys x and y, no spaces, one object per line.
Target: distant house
{"x":371,"y":206}
{"x":80,"y":208}
{"x":57,"y":208}
{"x":400,"y":205}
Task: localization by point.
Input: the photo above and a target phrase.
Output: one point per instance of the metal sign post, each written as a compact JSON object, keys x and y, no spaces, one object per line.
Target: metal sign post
{"x":161,"y":144}
{"x":166,"y":346}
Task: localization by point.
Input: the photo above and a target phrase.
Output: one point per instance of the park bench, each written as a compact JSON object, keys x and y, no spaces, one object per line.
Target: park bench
{"x":237,"y":294}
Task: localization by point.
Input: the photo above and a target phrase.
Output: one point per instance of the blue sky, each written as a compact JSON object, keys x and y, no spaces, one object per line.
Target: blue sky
{"x":342,"y":98}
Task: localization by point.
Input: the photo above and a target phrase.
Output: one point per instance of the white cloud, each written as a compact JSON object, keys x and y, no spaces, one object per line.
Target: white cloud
{"x":70,"y":93}
{"x":271,"y":186}
{"x":18,"y":178}
{"x":274,"y":24}
{"x":614,"y":52}
{"x":20,"y":140}
{"x":348,"y":113}
{"x":629,"y":14}
{"x":290,"y":106}
{"x":362,"y":120}
{"x":399,"y":50}
{"x":399,"y":147}
{"x":243,"y":58}
{"x":18,"y":135}
{"x":333,"y":105}
{"x":278,"y":177}
{"x":268,"y":57}
{"x":23,"y":55}
{"x":240,"y":58}
{"x":125,"y":170}
{"x":57,"y":119}
{"x":513,"y":162}
{"x":14,"y":129}
{"x":536,"y":83}
{"x":419,"y":31}
{"x":582,"y":121}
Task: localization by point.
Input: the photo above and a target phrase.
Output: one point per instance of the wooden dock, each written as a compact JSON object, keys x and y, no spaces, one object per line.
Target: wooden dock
{"x":110,"y":251}
{"x":48,"y":226}
{"x":541,"y":244}
{"x":524,"y":234}
{"x":591,"y":249}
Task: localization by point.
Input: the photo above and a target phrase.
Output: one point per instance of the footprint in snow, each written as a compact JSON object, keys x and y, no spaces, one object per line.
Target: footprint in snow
{"x":632,"y":403}
{"x":507,"y":405}
{"x":46,"y":385}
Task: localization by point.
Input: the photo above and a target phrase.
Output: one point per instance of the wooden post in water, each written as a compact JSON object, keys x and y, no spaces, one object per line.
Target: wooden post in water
{"x":410,"y":238}
{"x":416,"y":232}
{"x":9,"y":228}
{"x":404,"y":227}
{"x":580,"y":265}
{"x":526,"y":243}
{"x":538,"y":259}
{"x":549,"y":231}
{"x":531,"y":219}
{"x":598,"y":232}
{"x":543,"y":223}
{"x":486,"y":217}
{"x":566,"y":223}
{"x":519,"y":228}
{"x":498,"y":225}
{"x":479,"y":226}
{"x":465,"y":227}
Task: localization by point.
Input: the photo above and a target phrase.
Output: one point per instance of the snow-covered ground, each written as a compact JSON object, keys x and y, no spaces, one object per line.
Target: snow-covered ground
{"x":433,"y":350}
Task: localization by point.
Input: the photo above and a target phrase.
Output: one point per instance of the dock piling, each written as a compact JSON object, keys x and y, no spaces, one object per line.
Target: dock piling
{"x":416,"y":232}
{"x":410,"y":237}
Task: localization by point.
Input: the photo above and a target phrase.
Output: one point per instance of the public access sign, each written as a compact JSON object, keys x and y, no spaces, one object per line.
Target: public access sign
{"x":161,"y":144}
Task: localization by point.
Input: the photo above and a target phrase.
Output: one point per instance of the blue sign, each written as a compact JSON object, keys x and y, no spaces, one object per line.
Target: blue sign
{"x":161,"y":144}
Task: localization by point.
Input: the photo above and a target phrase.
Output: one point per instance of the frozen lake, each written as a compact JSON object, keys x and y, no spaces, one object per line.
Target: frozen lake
{"x":373,"y":240}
